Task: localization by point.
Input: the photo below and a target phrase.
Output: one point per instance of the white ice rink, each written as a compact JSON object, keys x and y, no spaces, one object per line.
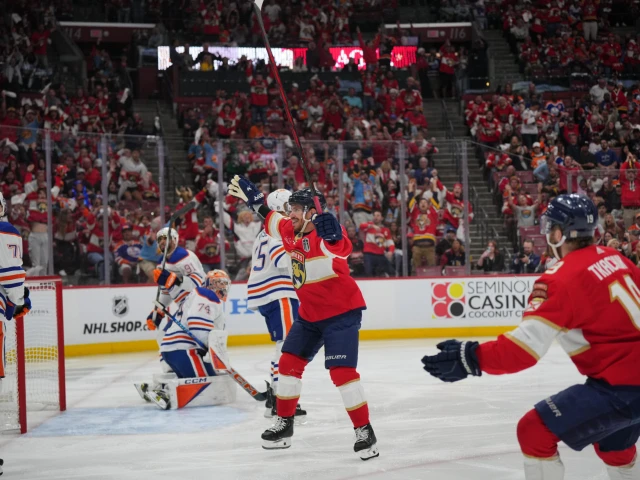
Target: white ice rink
{"x":425,"y":429}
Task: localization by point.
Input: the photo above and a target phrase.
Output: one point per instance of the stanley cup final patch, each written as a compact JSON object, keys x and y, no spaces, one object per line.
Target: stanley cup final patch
{"x":306,"y":246}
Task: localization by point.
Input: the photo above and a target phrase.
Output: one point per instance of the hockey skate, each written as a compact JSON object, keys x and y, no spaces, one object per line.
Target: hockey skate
{"x":365,"y":445}
{"x":160,"y":398}
{"x":143,"y":390}
{"x":278,"y":436}
{"x":1,"y":464}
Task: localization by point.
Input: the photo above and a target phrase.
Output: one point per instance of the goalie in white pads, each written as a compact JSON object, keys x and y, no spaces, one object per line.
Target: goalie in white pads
{"x":270,"y":291}
{"x":194,"y":381}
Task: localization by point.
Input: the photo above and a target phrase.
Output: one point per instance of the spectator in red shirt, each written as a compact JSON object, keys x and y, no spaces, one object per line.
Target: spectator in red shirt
{"x":378,"y":247}
{"x":630,"y":190}
{"x":369,"y":50}
{"x":208,"y":246}
{"x":39,"y":39}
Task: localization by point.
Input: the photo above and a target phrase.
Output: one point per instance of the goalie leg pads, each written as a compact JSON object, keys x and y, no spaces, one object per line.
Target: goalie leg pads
{"x":188,"y":364}
{"x":218,"y":355}
{"x":201,"y":392}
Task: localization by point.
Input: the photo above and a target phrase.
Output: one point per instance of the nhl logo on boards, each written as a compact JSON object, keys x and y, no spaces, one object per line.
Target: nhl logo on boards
{"x":448,"y":300}
{"x":120,"y":306}
{"x":297,"y":266}
{"x":305,"y":245}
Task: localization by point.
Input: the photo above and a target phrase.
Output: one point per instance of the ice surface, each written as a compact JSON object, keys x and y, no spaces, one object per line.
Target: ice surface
{"x":425,"y":429}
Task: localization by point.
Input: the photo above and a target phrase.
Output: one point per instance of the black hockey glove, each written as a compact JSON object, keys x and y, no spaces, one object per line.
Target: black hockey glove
{"x":456,"y":361}
{"x":327,"y":227}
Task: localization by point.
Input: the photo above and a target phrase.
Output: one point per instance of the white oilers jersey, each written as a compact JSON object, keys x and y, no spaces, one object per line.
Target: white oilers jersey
{"x":188,"y":269}
{"x":200,"y":312}
{"x":11,"y":272}
{"x":270,"y":277}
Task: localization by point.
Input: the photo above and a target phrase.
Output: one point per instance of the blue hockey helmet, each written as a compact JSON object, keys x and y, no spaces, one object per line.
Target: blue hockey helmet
{"x":575,"y":215}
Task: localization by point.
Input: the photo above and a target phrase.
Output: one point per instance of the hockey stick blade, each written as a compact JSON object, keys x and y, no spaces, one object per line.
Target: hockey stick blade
{"x":239,"y":379}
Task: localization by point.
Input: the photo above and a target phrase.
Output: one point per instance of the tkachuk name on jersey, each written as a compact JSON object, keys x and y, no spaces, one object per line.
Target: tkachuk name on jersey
{"x":607,"y":266}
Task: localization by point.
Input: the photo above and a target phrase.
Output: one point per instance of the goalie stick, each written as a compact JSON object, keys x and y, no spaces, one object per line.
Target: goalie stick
{"x":239,"y":379}
{"x":274,"y":71}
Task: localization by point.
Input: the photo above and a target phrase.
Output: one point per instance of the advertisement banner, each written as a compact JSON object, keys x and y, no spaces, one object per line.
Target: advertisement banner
{"x":94,"y":315}
{"x":401,"y":57}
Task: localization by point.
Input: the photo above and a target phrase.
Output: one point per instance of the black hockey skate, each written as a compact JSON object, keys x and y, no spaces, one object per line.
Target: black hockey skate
{"x":1,"y":464}
{"x":365,"y":445}
{"x":278,"y":436}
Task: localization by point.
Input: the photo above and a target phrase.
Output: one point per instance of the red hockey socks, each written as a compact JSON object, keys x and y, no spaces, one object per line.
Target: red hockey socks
{"x":348,"y":382}
{"x":621,"y":458}
{"x":289,"y":384}
{"x":535,"y":439}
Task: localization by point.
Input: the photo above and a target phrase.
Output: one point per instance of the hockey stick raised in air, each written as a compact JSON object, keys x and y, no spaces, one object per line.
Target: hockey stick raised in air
{"x":239,"y":379}
{"x":274,"y":71}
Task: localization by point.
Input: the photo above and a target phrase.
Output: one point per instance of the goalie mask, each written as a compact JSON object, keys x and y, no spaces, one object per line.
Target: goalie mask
{"x":161,"y":238}
{"x":219,"y":282}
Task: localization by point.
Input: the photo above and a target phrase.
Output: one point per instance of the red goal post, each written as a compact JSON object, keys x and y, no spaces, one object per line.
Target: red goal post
{"x":34,"y":358}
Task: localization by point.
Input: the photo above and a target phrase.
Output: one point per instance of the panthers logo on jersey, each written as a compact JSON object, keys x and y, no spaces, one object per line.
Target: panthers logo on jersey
{"x":299,"y":272}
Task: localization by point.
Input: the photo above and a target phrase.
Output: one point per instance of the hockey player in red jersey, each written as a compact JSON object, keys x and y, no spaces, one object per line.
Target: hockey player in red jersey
{"x":330,"y":311}
{"x":590,"y":303}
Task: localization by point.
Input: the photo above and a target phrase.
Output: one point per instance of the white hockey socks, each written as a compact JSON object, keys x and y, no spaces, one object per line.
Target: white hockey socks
{"x":289,"y":388}
{"x":274,"y":366}
{"x":543,"y":469}
{"x":628,"y":472}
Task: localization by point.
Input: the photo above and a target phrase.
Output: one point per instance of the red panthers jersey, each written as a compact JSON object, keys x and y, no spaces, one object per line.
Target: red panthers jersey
{"x":320,"y":272}
{"x":590,"y":303}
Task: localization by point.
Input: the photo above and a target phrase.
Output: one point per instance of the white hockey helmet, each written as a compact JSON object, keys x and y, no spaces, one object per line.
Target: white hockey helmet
{"x":219,"y":282}
{"x":164,"y":233}
{"x":278,"y":200}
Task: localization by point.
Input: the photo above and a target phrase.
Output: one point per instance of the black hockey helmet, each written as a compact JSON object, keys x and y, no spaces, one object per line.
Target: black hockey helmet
{"x":305,"y":196}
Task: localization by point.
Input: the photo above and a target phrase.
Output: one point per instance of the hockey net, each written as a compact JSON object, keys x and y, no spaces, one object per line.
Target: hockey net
{"x":34,"y":357}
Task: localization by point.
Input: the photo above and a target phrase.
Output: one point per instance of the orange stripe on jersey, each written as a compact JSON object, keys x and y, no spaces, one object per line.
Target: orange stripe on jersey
{"x":12,"y":234}
{"x":181,"y":296}
{"x":286,"y":313}
{"x":13,"y":277}
{"x":266,"y":287}
{"x":197,"y":363}
{"x":196,"y":278}
{"x":277,"y":252}
{"x":178,"y":337}
{"x":200,"y":324}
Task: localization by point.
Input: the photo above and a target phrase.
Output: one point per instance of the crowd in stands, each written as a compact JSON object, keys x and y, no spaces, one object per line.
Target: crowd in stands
{"x":558,"y":39}
{"x":24,"y":43}
{"x":533,"y":149}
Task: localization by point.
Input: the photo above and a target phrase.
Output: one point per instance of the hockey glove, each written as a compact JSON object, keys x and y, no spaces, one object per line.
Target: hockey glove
{"x":327,"y":227}
{"x":456,"y":361}
{"x":154,"y":319}
{"x":22,"y":310}
{"x":165,"y":278}
{"x":9,"y":310}
{"x":247,"y":191}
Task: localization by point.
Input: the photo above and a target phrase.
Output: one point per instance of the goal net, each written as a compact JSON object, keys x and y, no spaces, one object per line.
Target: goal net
{"x":33,"y":351}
